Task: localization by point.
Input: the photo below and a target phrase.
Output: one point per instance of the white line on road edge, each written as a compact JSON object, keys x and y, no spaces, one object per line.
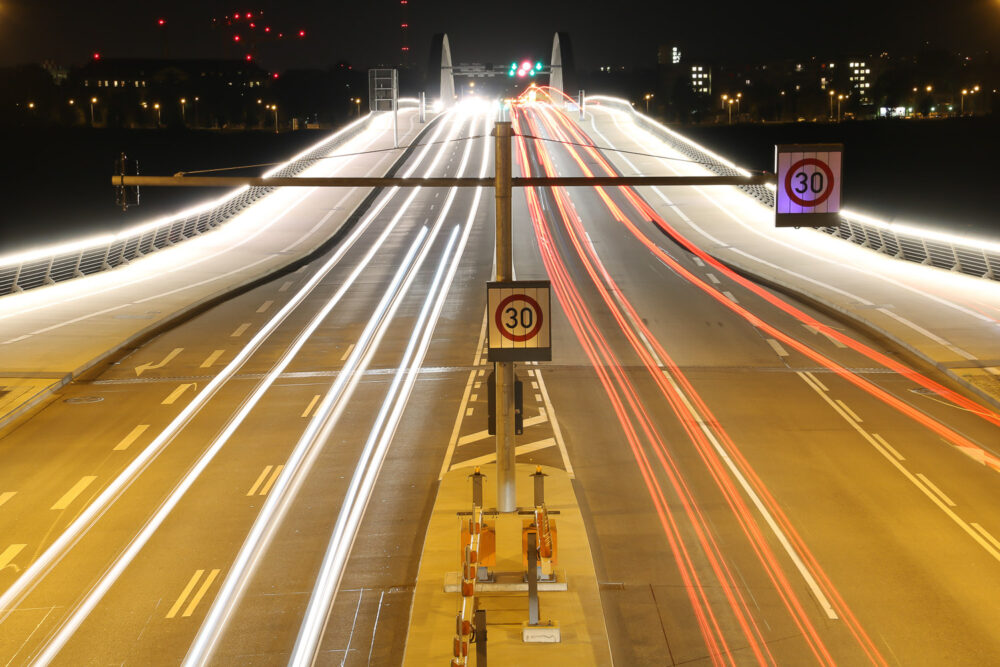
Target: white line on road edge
{"x":51,"y":556}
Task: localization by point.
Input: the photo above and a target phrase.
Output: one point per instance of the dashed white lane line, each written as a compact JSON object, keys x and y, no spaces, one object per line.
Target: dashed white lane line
{"x":729,"y":295}
{"x":240,"y":330}
{"x":177,"y":393}
{"x":264,"y":306}
{"x":697,"y":260}
{"x":6,"y":495}
{"x":312,"y":404}
{"x":850,"y":413}
{"x":711,"y":277}
{"x":132,"y":436}
{"x":9,"y":554}
{"x":776,"y":346}
{"x":211,"y":359}
{"x":890,"y":448}
{"x":284,"y":286}
{"x":468,"y":412}
{"x":71,"y":495}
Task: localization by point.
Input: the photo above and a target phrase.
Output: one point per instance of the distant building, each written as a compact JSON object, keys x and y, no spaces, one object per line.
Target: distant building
{"x":701,"y":79}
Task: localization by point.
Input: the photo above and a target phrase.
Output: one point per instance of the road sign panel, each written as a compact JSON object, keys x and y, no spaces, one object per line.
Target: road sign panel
{"x":808,"y":189}
{"x":519,"y":322}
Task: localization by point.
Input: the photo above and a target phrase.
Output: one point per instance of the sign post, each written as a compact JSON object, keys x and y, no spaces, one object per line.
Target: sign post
{"x":504,"y":370}
{"x":808,"y":187}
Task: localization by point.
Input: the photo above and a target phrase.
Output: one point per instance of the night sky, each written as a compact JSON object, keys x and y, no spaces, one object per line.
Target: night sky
{"x":367,"y":33}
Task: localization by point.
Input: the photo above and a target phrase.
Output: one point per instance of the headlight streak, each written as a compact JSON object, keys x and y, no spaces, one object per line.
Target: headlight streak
{"x":51,"y":556}
{"x":154,"y":264}
{"x":857,"y":346}
{"x":345,"y":531}
{"x":301,"y":460}
{"x":638,"y":340}
{"x":654,"y":357}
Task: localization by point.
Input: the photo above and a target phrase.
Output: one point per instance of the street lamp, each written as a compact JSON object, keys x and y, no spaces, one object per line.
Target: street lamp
{"x":357,"y":103}
{"x":724,"y":98}
{"x":159,"y":118}
{"x":731,"y":100}
{"x":840,"y":98}
{"x":830,"y":116}
{"x":183,"y":105}
{"x":93,"y":101}
{"x":274,"y":107}
{"x":965,"y":92}
{"x":196,"y":98}
{"x":739,"y":96}
{"x":648,"y":97}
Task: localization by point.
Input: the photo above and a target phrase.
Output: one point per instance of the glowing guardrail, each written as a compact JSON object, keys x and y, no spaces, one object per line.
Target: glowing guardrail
{"x":54,"y":264}
{"x":974,"y":257}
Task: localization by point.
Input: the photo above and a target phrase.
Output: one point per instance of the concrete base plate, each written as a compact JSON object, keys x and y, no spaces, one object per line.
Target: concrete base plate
{"x":505,"y":582}
{"x":546,"y":632}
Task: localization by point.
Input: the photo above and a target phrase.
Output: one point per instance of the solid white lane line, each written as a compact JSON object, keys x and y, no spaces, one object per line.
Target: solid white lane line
{"x":933,"y":487}
{"x":211,"y":359}
{"x":192,"y":582}
{"x":347,"y":352}
{"x":201,"y":593}
{"x":6,"y":495}
{"x":890,"y":448}
{"x":177,"y":393}
{"x":815,"y":379}
{"x":548,"y":413}
{"x":9,"y":554}
{"x":240,"y":330}
{"x":492,"y":457}
{"x":288,"y":283}
{"x":312,"y":404}
{"x":260,"y":480}
{"x":776,"y":346}
{"x":127,"y":441}
{"x":71,"y":495}
{"x":264,"y":306}
{"x":853,"y":415}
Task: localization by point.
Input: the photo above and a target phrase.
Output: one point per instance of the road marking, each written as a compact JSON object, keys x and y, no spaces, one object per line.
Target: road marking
{"x":212,"y":358}
{"x":985,"y":533}
{"x":9,"y":554}
{"x":272,"y":480}
{"x":492,"y":457}
{"x":264,"y":306}
{"x":534,"y":385}
{"x":71,"y":495}
{"x":453,"y":441}
{"x":187,"y":590}
{"x":850,"y":412}
{"x":347,"y":352}
{"x":201,"y":592}
{"x":833,"y":340}
{"x":312,"y":404}
{"x":127,"y":441}
{"x":892,"y":450}
{"x":240,"y":330}
{"x":192,"y":582}
{"x":166,"y":360}
{"x":477,"y":385}
{"x":284,"y":287}
{"x":697,"y":260}
{"x":778,"y":349}
{"x":260,"y":480}
{"x":6,"y":495}
{"x":933,"y":487}
{"x":729,"y":295}
{"x":816,"y":380}
{"x":538,"y":398}
{"x":177,"y":393}
{"x":711,"y":276}
{"x":468,"y":412}
{"x":543,"y":415}
{"x":481,"y":371}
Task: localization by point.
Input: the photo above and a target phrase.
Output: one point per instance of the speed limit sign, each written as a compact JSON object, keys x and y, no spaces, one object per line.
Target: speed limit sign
{"x":808,"y":188}
{"x":519,"y":323}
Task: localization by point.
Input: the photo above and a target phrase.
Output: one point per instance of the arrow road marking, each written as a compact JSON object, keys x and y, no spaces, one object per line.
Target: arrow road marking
{"x":166,"y":360}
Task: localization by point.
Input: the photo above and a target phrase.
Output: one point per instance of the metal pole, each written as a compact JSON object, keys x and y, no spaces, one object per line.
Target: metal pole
{"x":581,"y":102}
{"x":533,"y":612}
{"x":423,"y":107}
{"x":504,"y":371}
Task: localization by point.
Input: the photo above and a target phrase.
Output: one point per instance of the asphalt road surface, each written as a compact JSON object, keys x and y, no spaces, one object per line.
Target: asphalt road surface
{"x":755,"y":492}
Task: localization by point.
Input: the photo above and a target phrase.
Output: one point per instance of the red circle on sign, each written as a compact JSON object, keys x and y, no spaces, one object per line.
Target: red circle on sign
{"x":519,"y":338}
{"x":809,"y":161}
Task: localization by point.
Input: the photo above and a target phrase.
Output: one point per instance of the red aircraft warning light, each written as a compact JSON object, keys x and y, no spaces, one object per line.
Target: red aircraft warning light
{"x":161,"y":22}
{"x":302,"y":33}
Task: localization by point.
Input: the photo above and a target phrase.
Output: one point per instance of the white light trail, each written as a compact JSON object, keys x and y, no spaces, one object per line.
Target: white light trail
{"x":55,"y":552}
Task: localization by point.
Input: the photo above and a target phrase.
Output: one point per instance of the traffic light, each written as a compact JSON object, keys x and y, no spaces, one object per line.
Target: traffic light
{"x":524,"y":68}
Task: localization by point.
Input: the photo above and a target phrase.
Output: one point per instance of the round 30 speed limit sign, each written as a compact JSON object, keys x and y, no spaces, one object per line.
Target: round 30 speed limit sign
{"x":808,"y":187}
{"x":519,"y":325}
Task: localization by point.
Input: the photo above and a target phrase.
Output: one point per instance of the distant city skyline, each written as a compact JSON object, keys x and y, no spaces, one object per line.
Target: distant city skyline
{"x":369,"y":33}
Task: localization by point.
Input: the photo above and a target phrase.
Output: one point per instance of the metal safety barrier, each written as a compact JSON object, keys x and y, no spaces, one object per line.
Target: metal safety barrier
{"x":55,"y":264}
{"x":972,"y":257}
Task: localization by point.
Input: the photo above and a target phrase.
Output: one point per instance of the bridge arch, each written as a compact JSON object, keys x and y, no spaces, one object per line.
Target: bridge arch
{"x":563,"y":64}
{"x":440,"y":76}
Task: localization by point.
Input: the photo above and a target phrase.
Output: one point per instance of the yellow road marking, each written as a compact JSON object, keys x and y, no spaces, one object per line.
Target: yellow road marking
{"x":131,"y":437}
{"x":187,"y":591}
{"x":71,"y":495}
{"x":777,"y":347}
{"x":9,"y":554}
{"x":347,"y":352}
{"x":177,"y":393}
{"x":270,"y":482}
{"x":933,"y":487}
{"x":212,"y":358}
{"x":6,"y":495}
{"x":260,"y":480}
{"x":201,"y":592}
{"x":312,"y":403}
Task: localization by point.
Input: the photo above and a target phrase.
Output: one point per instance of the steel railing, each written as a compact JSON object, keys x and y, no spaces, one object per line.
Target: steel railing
{"x":54,"y":264}
{"x":945,"y":251}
